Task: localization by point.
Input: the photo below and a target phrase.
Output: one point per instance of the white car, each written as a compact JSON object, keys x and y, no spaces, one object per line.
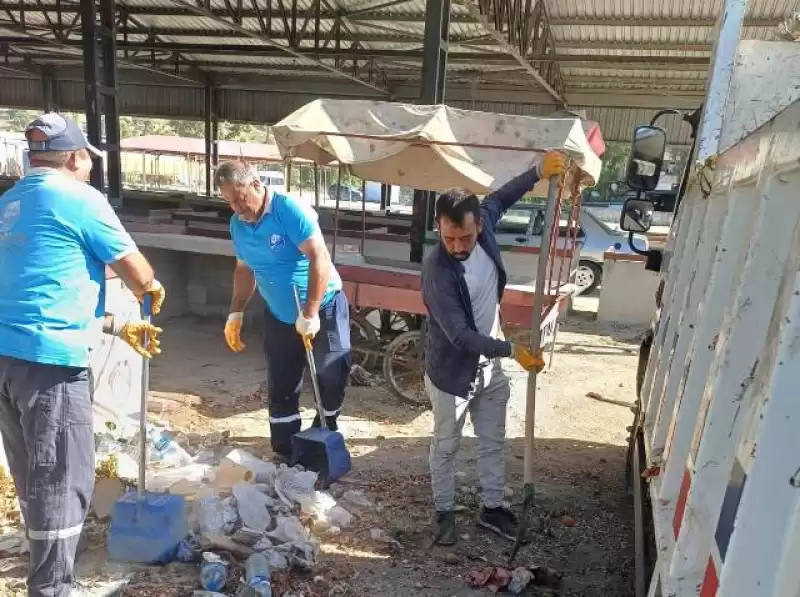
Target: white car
{"x":273,"y":180}
{"x":596,"y":235}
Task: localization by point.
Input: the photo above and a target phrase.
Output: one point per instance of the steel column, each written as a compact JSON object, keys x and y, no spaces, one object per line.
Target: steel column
{"x":207,"y":134}
{"x":100,"y":76}
{"x":432,"y":91}
{"x":49,"y":89}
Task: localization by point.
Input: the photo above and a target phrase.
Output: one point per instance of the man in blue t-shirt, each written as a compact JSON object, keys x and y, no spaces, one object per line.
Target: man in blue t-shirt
{"x":279,"y":247}
{"x":57,"y":234}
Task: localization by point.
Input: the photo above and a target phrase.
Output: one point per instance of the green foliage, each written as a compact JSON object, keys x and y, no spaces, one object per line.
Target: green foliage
{"x":614,"y":161}
{"x":130,"y":126}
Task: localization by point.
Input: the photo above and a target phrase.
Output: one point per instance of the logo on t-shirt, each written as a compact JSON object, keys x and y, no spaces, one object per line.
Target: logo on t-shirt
{"x":9,"y":214}
{"x":276,"y":242}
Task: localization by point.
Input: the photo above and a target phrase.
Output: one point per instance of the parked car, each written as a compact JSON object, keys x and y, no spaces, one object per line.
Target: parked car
{"x":523,"y":225}
{"x":273,"y":180}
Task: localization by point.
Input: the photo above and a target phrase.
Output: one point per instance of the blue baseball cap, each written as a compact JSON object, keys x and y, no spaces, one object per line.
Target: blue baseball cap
{"x":54,"y":132}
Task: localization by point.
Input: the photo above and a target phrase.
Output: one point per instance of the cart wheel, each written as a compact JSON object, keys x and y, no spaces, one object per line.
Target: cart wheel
{"x":389,"y":323}
{"x":364,"y":343}
{"x":403,"y":368}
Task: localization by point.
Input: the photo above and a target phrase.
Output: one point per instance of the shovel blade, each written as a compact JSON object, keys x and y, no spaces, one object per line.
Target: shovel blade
{"x":322,"y":451}
{"x":147,"y":529}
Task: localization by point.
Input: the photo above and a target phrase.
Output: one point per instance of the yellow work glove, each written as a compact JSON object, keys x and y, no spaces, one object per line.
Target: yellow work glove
{"x":155,"y":290}
{"x":554,"y":163}
{"x":233,"y":331}
{"x":133,"y":334}
{"x":528,"y":360}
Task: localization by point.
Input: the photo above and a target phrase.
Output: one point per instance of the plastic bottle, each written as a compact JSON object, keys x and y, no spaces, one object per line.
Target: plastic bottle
{"x":166,"y":450}
{"x":257,"y":576}
{"x":213,"y":572}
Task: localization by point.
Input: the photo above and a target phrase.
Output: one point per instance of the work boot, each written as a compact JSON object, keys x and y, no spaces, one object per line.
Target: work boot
{"x":499,"y":520}
{"x":445,"y":528}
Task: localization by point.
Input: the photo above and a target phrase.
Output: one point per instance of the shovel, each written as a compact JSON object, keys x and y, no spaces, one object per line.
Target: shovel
{"x":319,"y":449}
{"x":146,"y":527}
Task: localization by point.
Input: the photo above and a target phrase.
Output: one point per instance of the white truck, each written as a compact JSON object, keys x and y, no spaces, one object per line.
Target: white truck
{"x":715,"y":448}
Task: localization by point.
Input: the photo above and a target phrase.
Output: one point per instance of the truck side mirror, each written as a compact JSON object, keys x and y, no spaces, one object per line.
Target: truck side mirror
{"x":647,"y":157}
{"x":637,"y":215}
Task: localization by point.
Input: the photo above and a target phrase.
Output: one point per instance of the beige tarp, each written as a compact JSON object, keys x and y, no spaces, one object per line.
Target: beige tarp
{"x":430,"y":147}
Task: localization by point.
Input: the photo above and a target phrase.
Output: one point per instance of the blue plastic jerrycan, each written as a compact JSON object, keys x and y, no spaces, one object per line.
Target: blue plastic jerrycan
{"x":147,"y":530}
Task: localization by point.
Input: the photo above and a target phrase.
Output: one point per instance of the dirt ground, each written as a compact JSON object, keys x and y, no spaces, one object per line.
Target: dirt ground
{"x":582,"y":520}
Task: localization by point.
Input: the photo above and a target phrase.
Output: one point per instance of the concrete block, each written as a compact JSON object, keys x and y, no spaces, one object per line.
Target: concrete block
{"x":627,"y":295}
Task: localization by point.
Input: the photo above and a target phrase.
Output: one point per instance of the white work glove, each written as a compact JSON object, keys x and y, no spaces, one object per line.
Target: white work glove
{"x":307,"y":328}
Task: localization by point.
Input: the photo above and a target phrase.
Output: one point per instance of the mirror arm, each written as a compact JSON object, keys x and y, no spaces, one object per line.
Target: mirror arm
{"x":661,"y":113}
{"x":633,"y":248}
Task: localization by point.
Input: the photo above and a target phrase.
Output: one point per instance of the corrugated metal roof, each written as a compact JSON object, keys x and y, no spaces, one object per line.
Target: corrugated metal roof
{"x":656,"y":49}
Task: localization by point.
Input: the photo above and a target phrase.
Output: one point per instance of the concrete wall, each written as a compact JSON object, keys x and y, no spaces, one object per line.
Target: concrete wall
{"x":627,"y":295}
{"x":198,"y":284}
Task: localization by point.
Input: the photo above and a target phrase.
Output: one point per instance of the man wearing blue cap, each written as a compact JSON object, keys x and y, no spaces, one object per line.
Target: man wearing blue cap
{"x":57,"y":234}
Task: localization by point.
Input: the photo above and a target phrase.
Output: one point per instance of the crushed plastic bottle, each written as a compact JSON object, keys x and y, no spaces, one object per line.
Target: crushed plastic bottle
{"x":213,"y":572}
{"x":257,"y":577}
{"x":164,"y":449}
{"x":210,"y":514}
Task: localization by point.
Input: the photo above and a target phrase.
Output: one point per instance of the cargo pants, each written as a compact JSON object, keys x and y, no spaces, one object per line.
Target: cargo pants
{"x":487,"y":407}
{"x":46,"y":424}
{"x":286,"y":362}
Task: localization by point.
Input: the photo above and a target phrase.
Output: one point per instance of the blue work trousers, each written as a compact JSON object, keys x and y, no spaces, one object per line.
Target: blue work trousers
{"x":46,"y":424}
{"x":286,"y":362}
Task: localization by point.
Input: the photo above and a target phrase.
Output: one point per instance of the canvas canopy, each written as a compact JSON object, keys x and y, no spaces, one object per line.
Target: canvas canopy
{"x":431,"y":147}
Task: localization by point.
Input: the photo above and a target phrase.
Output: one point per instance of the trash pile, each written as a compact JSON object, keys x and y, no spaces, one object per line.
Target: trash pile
{"x":498,"y":579}
{"x":244,"y":512}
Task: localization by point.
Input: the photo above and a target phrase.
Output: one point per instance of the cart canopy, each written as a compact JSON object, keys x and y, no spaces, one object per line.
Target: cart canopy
{"x":431,"y":147}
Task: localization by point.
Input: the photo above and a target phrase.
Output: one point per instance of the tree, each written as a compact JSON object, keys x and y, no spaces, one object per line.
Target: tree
{"x":614,"y":161}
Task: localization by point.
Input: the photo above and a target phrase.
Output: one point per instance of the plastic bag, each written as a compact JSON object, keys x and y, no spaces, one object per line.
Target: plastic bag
{"x":520,"y":578}
{"x":295,"y":487}
{"x":288,"y":529}
{"x":319,"y":506}
{"x":339,"y":517}
{"x":252,"y":506}
{"x":193,"y":474}
{"x":356,"y":498}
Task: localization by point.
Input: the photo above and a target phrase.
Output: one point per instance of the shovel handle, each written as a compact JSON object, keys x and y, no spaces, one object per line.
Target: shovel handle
{"x":312,"y":368}
{"x":147,"y":310}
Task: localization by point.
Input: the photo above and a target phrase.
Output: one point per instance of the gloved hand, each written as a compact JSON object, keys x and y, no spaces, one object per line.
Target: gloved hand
{"x":528,"y":360}
{"x":554,"y":163}
{"x":133,"y":334}
{"x":156,"y":290}
{"x":307,"y":328}
{"x":233,"y":331}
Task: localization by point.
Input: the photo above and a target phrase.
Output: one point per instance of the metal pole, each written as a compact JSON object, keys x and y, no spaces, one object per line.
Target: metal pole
{"x":528,"y":491}
{"x":336,"y":213}
{"x":316,"y":186}
{"x":209,"y":92}
{"x":289,"y":176}
{"x":91,"y":76}
{"x":147,"y":306}
{"x":536,"y":322}
{"x":723,"y":62}
{"x":432,"y":89}
{"x":363,"y":216}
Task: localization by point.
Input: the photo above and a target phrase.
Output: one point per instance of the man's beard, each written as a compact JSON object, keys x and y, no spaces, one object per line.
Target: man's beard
{"x":462,"y":256}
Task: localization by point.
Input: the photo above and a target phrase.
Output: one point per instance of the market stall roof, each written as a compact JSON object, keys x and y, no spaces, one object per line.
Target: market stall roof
{"x":429,"y":147}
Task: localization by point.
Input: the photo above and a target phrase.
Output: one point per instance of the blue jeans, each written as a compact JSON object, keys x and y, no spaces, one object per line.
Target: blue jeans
{"x":46,"y":424}
{"x":286,"y":362}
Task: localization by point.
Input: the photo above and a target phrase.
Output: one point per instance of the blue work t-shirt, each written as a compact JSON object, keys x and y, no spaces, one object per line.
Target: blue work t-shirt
{"x":56,"y":236}
{"x":270,"y":247}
